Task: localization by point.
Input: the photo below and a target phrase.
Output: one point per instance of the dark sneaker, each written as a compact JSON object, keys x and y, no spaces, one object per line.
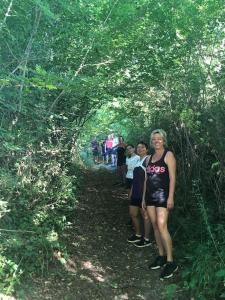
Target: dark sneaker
{"x":142,"y":243}
{"x":134,"y":239}
{"x":159,"y":262}
{"x":168,"y":271}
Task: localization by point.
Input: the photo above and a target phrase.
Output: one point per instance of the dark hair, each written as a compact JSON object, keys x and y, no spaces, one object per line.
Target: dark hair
{"x":143,"y":143}
{"x":120,"y":136}
{"x":130,"y":145}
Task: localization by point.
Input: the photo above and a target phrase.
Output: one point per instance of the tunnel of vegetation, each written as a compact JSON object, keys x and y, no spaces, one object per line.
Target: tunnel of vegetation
{"x":74,"y":69}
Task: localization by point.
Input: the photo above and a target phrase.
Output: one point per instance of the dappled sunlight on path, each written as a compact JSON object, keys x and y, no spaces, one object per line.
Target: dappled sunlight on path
{"x":98,"y":263}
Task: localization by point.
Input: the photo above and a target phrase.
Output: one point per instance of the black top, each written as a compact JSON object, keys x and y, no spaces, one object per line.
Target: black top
{"x":138,"y":179}
{"x":157,"y":175}
{"x":121,"y":157}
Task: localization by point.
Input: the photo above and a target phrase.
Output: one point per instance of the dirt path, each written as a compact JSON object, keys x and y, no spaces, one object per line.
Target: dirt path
{"x":101,"y":265}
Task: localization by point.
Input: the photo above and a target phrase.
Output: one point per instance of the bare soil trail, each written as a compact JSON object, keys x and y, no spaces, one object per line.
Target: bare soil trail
{"x":101,"y":264}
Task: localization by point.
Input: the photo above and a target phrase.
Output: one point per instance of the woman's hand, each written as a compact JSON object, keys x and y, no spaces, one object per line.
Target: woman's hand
{"x":170,"y":203}
{"x":171,"y":163}
{"x":143,"y":204}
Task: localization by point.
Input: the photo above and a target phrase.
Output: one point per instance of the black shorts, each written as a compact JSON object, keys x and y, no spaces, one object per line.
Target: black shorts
{"x":129,"y":182}
{"x":108,"y":151}
{"x":120,"y":163}
{"x":157,"y":198}
{"x":114,"y":151}
{"x":136,"y":202}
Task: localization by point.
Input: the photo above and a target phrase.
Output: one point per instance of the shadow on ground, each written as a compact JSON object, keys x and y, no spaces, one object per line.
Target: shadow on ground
{"x":101,"y":264}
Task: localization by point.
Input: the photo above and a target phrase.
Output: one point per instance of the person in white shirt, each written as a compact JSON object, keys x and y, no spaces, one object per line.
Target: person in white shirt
{"x":131,"y":161}
{"x":114,"y":150}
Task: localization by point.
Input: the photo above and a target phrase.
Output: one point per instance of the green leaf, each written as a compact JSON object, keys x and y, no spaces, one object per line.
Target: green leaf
{"x":220,"y":273}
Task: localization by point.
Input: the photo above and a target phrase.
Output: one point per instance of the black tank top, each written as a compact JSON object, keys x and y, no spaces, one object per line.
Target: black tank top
{"x":157,"y":175}
{"x":121,"y":157}
{"x":138,"y":179}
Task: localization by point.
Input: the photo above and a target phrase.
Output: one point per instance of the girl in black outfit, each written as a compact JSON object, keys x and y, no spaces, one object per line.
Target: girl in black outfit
{"x":136,"y":194}
{"x":121,"y":160}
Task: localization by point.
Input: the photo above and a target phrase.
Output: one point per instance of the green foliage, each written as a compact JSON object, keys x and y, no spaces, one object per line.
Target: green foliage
{"x":170,"y":291}
{"x":203,"y":270}
{"x":39,"y":209}
{"x":206,"y":260}
{"x":170,"y":77}
{"x":74,"y":69}
{"x":9,"y":275}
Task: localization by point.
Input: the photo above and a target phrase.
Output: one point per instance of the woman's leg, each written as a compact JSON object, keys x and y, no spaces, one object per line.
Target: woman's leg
{"x":152,"y":213}
{"x":147,"y":224}
{"x":118,"y":171}
{"x":124,"y":173}
{"x":121,"y":173}
{"x":162,"y":218}
{"x":134,"y":213}
{"x":114,"y":159}
{"x":107,"y":157}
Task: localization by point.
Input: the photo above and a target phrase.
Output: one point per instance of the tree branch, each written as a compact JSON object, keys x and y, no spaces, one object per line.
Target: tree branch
{"x":27,"y":53}
{"x":82,"y":64}
{"x":7,"y":14}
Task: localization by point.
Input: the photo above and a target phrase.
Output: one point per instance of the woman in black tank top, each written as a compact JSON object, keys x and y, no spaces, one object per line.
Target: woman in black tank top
{"x":159,"y":199}
{"x":157,"y":185}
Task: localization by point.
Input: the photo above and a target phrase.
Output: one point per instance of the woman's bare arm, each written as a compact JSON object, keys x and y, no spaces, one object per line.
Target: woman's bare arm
{"x":171,"y":163}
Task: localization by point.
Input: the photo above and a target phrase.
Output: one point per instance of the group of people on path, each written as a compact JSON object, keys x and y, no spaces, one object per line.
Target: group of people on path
{"x":111,"y":151}
{"x":150,"y":180}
